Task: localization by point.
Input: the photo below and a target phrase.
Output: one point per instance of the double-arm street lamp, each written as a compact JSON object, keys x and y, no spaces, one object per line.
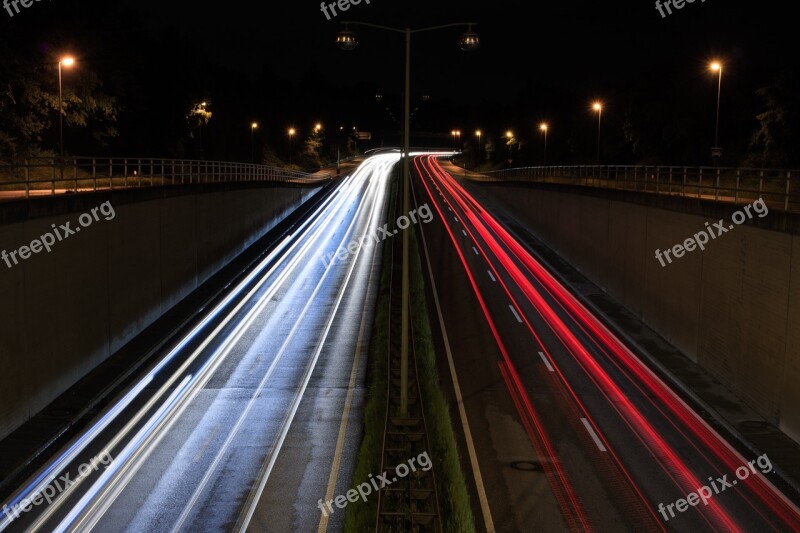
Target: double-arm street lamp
{"x":346,"y":40}
{"x":456,"y":138}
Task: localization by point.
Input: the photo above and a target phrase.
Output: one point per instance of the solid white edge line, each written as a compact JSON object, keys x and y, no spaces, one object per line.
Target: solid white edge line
{"x":337,"y":455}
{"x":594,"y":436}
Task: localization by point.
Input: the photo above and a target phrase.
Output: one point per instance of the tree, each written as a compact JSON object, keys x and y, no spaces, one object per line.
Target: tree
{"x":312,"y":147}
{"x":772,"y":144}
{"x":489,"y":149}
{"x":29,"y":106}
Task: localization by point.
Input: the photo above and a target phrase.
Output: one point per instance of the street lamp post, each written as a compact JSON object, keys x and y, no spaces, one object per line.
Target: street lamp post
{"x":716,"y":66}
{"x":510,"y":144}
{"x":346,"y":40}
{"x":544,"y":127}
{"x":292,"y":133}
{"x":65,"y":62}
{"x":253,"y":128}
{"x":598,"y":106}
{"x":479,"y":133}
{"x":203,"y":106}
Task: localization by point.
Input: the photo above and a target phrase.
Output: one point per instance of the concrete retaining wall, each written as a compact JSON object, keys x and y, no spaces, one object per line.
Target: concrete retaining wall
{"x":63,"y":313}
{"x":734,"y":309}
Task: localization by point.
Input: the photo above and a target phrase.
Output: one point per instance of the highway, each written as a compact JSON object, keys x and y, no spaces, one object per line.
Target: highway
{"x":251,"y":418}
{"x":563,"y":426}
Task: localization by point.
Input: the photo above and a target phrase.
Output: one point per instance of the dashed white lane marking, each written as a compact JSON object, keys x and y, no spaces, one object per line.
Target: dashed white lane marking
{"x":516,"y":315}
{"x":546,"y":362}
{"x":594,"y":436}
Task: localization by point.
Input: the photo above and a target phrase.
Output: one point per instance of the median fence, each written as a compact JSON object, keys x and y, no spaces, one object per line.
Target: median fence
{"x":47,"y":177}
{"x":736,"y":185}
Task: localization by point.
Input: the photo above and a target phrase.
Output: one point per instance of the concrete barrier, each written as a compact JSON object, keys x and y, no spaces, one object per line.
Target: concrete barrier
{"x":734,"y":309}
{"x":64,"y":312}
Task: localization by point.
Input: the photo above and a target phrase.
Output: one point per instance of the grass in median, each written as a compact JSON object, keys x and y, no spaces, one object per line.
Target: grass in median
{"x":451,"y":485}
{"x":450,"y":482}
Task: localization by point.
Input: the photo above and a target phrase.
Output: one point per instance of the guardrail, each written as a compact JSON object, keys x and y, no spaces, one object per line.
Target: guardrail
{"x":47,"y":177}
{"x":737,"y":185}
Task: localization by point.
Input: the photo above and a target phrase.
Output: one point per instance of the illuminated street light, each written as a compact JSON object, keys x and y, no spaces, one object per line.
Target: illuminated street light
{"x":346,"y":40}
{"x":456,"y":136}
{"x":479,"y":133}
{"x":469,"y":41}
{"x":598,"y":107}
{"x":65,"y":61}
{"x":544,"y":127}
{"x":292,"y":133}
{"x":716,"y":66}
{"x":253,"y":128}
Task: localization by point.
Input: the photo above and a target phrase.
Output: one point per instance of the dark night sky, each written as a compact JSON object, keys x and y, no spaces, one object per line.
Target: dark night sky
{"x":541,"y":61}
{"x":587,"y":46}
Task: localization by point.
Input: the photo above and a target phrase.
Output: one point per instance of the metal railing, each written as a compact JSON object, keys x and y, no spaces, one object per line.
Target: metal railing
{"x":736,"y":185}
{"x":48,"y":177}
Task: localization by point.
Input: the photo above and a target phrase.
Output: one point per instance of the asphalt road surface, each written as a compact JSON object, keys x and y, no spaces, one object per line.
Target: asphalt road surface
{"x":562,"y":425}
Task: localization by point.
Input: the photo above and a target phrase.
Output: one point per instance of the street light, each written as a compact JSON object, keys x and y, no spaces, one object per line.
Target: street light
{"x":346,"y":40}
{"x":318,"y":127}
{"x":479,"y":133}
{"x":203,"y":116}
{"x":456,"y":137}
{"x":292,"y":133}
{"x":510,"y":136}
{"x":253,"y":128}
{"x":716,"y":66}
{"x":598,"y":107}
{"x":65,"y":61}
{"x":544,"y":127}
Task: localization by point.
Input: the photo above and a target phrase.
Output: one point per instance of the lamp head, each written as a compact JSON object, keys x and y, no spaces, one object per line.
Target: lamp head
{"x":469,"y":41}
{"x":346,"y":40}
